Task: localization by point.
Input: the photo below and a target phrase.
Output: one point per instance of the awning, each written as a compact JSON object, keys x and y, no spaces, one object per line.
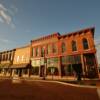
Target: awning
{"x":20,"y":65}
{"x":6,"y":65}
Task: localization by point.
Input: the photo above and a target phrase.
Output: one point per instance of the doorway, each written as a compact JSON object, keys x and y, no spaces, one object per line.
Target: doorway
{"x":42,"y":69}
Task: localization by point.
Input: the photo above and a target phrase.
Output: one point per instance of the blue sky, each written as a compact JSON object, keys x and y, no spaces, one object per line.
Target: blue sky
{"x":24,"y":20}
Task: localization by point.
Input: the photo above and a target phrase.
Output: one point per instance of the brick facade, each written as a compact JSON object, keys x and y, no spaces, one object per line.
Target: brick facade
{"x":57,"y":54}
{"x":65,"y":62}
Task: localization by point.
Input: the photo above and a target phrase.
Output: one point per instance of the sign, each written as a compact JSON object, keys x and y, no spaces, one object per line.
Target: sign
{"x":35,"y":63}
{"x":42,"y":61}
{"x":52,"y":70}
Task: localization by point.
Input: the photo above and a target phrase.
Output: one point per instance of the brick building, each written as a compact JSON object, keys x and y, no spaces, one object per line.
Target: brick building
{"x":62,"y":55}
{"x":21,"y":62}
{"x":6,"y":60}
{"x":57,"y":54}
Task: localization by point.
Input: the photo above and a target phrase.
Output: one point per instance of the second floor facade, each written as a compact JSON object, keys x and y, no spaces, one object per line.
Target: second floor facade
{"x":22,"y":55}
{"x":78,"y":42}
{"x":7,"y":56}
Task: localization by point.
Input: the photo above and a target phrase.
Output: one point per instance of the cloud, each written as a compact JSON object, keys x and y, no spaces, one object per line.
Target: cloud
{"x":13,"y":10}
{"x":28,"y":31}
{"x":5,"y":41}
{"x":1,"y":20}
{"x":5,"y":16}
{"x":2,"y":8}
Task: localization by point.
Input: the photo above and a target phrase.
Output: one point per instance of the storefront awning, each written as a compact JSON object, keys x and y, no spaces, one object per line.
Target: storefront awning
{"x":20,"y":66}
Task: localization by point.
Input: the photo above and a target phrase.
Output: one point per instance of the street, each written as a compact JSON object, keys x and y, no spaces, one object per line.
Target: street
{"x":41,"y":90}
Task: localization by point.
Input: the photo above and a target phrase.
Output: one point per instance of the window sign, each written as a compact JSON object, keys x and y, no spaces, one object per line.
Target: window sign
{"x":35,"y":63}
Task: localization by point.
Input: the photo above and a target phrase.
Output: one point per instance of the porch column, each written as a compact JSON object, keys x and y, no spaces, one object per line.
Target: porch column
{"x":22,"y":72}
{"x":83,"y":65}
{"x":28,"y":71}
{"x":96,"y":64}
{"x":59,"y":66}
{"x":39,"y":70}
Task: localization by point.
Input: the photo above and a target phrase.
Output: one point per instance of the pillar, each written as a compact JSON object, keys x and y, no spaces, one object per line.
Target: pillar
{"x":28,"y":71}
{"x":83,"y":65}
{"x":59,"y":66}
{"x":39,"y":70}
{"x":96,"y":64}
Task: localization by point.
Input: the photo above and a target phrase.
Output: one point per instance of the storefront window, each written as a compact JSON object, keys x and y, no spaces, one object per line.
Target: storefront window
{"x":71,"y":59}
{"x":63,"y":60}
{"x":49,"y":70}
{"x":52,"y":60}
{"x":67,"y":70}
{"x":35,"y":71}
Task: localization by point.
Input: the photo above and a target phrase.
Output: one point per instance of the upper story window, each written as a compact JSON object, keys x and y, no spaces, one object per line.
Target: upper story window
{"x":54,"y":48}
{"x":74,"y":47}
{"x":42,"y":52}
{"x":17,"y":58}
{"x":33,"y":52}
{"x":3,"y":57}
{"x":37,"y":51}
{"x":9,"y":56}
{"x":22,"y":58}
{"x":63,"y":47}
{"x":49,"y":49}
{"x":85,"y":44}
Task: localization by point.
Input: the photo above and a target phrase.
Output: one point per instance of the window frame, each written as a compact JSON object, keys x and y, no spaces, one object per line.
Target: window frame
{"x":85,"y":44}
{"x":74,"y":45}
{"x":63,"y":47}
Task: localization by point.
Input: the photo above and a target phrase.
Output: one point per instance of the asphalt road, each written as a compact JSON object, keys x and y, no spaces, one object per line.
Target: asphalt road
{"x":38,"y":90}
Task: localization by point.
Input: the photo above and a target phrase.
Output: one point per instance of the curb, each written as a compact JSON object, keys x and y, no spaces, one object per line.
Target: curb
{"x":63,"y":83}
{"x":68,"y":84}
{"x":98,"y":91}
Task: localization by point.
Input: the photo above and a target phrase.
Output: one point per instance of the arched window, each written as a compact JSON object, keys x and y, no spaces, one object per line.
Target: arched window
{"x":37,"y":51}
{"x":42,"y":52}
{"x":85,"y":44}
{"x":54,"y":48}
{"x":49,"y":49}
{"x":74,"y":47}
{"x":63,"y":47}
{"x":33,"y":52}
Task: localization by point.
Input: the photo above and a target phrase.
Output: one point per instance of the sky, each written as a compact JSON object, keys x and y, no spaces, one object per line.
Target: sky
{"x":24,"y":20}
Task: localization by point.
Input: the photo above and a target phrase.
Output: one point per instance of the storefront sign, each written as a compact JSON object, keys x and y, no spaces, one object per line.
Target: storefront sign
{"x":35,"y":63}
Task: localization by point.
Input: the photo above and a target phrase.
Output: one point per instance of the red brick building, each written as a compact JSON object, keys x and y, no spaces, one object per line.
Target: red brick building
{"x":53,"y":55}
{"x":62,"y":55}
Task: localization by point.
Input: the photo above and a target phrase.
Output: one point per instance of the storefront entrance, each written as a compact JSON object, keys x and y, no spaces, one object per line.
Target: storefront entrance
{"x":42,"y":71}
{"x":77,"y":68}
{"x":71,"y":69}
